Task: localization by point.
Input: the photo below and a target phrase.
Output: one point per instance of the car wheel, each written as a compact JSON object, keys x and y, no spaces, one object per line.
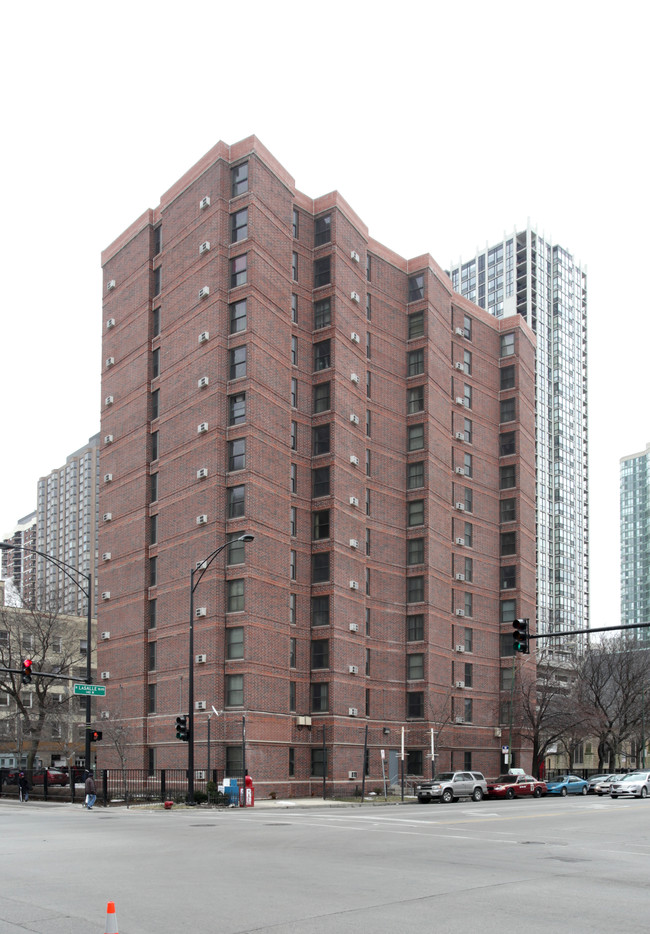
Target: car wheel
{"x":644,"y":792}
{"x":563,"y":792}
{"x":614,"y":797}
{"x":537,"y":793}
{"x":423,"y":801}
{"x":510,"y":794}
{"x":447,"y":796}
{"x":584,"y":790}
{"x":477,"y":794}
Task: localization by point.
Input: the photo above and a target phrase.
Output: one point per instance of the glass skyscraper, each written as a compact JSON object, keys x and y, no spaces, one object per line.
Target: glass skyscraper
{"x":635,"y":541}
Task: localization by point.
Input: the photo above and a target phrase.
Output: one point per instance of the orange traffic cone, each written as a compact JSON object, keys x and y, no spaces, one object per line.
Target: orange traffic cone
{"x":111,"y":919}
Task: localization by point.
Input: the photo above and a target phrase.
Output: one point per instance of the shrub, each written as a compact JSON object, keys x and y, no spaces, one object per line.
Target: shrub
{"x":200,"y":797}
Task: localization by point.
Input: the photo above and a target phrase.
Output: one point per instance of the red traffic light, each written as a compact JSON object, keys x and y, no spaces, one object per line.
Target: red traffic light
{"x":27,"y":671}
{"x":95,"y":736}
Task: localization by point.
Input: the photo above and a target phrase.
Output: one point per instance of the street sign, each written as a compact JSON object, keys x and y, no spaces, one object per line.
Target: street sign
{"x":94,"y":690}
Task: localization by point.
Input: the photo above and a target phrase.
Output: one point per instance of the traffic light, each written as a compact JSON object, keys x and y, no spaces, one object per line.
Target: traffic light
{"x":95,"y":735}
{"x":520,"y":641}
{"x":182,"y":729}
{"x":27,"y":671}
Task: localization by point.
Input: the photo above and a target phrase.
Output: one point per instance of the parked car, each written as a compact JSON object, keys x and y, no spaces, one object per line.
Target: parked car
{"x":567,"y":785}
{"x":515,"y":786}
{"x":595,"y":780}
{"x":603,"y":786}
{"x":450,"y":786}
{"x":54,"y":776}
{"x":635,"y":783}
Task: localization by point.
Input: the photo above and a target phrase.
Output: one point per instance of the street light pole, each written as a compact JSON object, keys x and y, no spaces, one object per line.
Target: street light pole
{"x":199,"y":571}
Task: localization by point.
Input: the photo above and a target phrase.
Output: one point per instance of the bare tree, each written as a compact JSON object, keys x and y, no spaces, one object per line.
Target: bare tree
{"x":118,"y":733}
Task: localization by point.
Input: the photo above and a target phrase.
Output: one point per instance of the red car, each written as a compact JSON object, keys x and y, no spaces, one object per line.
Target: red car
{"x":515,"y":786}
{"x":54,"y":777}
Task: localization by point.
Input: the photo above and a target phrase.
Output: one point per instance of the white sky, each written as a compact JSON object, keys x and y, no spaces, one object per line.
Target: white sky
{"x":442,"y":127}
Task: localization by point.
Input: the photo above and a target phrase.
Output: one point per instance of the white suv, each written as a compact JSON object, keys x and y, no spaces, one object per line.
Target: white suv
{"x":450,"y":786}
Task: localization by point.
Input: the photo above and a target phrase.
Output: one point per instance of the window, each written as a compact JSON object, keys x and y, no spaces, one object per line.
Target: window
{"x":155,"y":445}
{"x":152,"y":656}
{"x":415,"y":704}
{"x":415,"y":475}
{"x":468,"y":710}
{"x":414,"y":762}
{"x":415,"y":400}
{"x":322,"y":271}
{"x":152,"y":614}
{"x":507,"y":410}
{"x":508,"y":344}
{"x":415,"y":628}
{"x":467,"y":362}
{"x":239,"y":179}
{"x":367,"y":502}
{"x":151,"y":699}
{"x":155,"y":363}
{"x":368,"y":266}
{"x":321,"y":397}
{"x":321,"y":439}
{"x":157,"y":240}
{"x":508,"y":377}
{"x":292,"y":652}
{"x":318,"y":762}
{"x":293,"y":557}
{"x":233,"y":760}
{"x":416,"y":287}
{"x":236,"y":553}
{"x":235,"y":590}
{"x":415,"y":437}
{"x":321,"y":524}
{"x":509,"y":577}
{"x":415,"y":512}
{"x":468,"y":569}
{"x":155,"y":404}
{"x":415,"y":551}
{"x":153,"y":487}
{"x":296,"y":224}
{"x":467,"y":396}
{"x":320,"y":653}
{"x":155,"y":322}
{"x":368,"y":542}
{"x":469,"y":499}
{"x":238,"y":362}
{"x":320,"y":567}
{"x":239,"y":225}
{"x":508,"y":612}
{"x":468,"y":534}
{"x":294,"y":350}
{"x":320,"y":611}
{"x":238,"y":270}
{"x":294,"y":478}
{"x":320,"y":481}
{"x":153,"y":529}
{"x":292,"y":609}
{"x":368,"y":384}
{"x":416,"y":325}
{"x":237,"y":408}
{"x":235,"y":642}
{"x":234,"y":691}
{"x":367,"y":621}
{"x":368,"y":306}
{"x":469,"y":604}
{"x":56,"y":644}
{"x":368,"y":423}
{"x":294,"y":392}
{"x":294,"y":266}
{"x":322,"y":230}
{"x":157,"y":280}
{"x":237,"y":454}
{"x":292,"y":708}
{"x":467,"y":430}
{"x":294,"y":436}
{"x":508,"y":510}
{"x":322,"y":314}
{"x":367,"y":581}
{"x":467,"y":327}
{"x":507,"y":476}
{"x":294,"y":309}
{"x":468,"y":639}
{"x":319,"y":701}
{"x":236,"y":501}
{"x":508,"y":543}
{"x":238,"y":316}
{"x":507,"y":444}
{"x":506,"y":678}
{"x":368,"y":462}
{"x":415,"y":667}
{"x":322,"y":355}
{"x":415,"y":362}
{"x":415,"y":589}
{"x":468,"y":465}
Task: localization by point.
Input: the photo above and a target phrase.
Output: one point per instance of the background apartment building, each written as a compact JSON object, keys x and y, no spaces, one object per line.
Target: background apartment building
{"x":270,"y":369}
{"x":635,"y":541}
{"x":528,"y":275}
{"x":20,"y":566}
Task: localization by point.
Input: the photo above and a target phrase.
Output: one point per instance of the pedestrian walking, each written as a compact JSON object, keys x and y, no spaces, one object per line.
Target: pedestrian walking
{"x":23,"y":787}
{"x":91,"y":795}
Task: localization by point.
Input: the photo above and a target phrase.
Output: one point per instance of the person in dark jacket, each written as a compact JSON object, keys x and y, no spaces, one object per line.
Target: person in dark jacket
{"x":91,"y":795}
{"x":23,"y":787}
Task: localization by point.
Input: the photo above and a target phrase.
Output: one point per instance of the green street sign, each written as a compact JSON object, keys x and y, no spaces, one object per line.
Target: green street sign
{"x":94,"y":690}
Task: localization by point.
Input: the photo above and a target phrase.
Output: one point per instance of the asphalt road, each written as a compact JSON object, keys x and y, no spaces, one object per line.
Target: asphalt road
{"x":572,"y":865}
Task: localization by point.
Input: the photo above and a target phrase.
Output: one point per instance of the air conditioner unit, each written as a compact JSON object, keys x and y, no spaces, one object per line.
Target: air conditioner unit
{"x":104,"y":715}
{"x":203,"y":382}
{"x":459,"y":366}
{"x":204,"y":336}
{"x":108,"y":477}
{"x":460,"y":400}
{"x":204,"y":203}
{"x":105,"y":675}
{"x":460,"y":541}
{"x":354,"y":460}
{"x":497,"y":731}
{"x":460,"y":436}
{"x":354,"y":543}
{"x":354,"y":377}
{"x":108,"y":400}
{"x":106,"y":595}
{"x":202,"y":428}
{"x":201,"y":564}
{"x":107,"y":516}
{"x":460,"y":648}
{"x":303,"y":721}
{"x":202,"y":519}
{"x":110,"y":323}
{"x":460,"y":506}
{"x":110,"y":285}
{"x":200,"y":774}
{"x":459,"y":332}
{"x":355,"y":297}
{"x":352,"y":774}
{"x":106,"y":556}
{"x":460,"y":612}
{"x":201,"y":473}
{"x":353,"y":669}
{"x":106,"y":635}
{"x":461,"y":471}
{"x":205,"y":246}
{"x":354,"y":585}
{"x":200,"y":705}
{"x":204,"y":291}
{"x":201,"y":659}
{"x":460,"y":684}
{"x":460,"y":577}
{"x":354,"y":418}
{"x":354,"y":501}
{"x":353,"y":712}
{"x":459,"y":719}
{"x":354,"y":337}
{"x":354,"y":256}
{"x":110,"y":361}
{"x":200,"y":611}
{"x":354,"y":627}
{"x":108,"y":439}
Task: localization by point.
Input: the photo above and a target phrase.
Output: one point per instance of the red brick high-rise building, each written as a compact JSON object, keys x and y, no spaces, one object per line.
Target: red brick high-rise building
{"x":270,"y":369}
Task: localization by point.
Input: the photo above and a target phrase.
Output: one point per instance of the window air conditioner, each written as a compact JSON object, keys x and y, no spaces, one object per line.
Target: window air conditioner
{"x":354,"y":627}
{"x":200,"y":774}
{"x":354,"y":337}
{"x":459,"y":332}
{"x":110,"y":361}
{"x":354,"y":585}
{"x":200,"y":611}
{"x":355,"y":297}
{"x":104,"y":715}
{"x":202,"y":519}
{"x":106,"y":556}
{"x":460,"y":506}
{"x":353,"y":669}
{"x":460,"y":684}
{"x":354,"y":460}
{"x":108,"y":477}
{"x":459,"y":719}
{"x":201,"y":473}
{"x":204,"y":203}
{"x":459,"y":366}
{"x":460,"y":648}
{"x":106,"y":595}
{"x":354,"y":543}
{"x":205,"y":246}
{"x":353,"y":712}
{"x":110,"y":323}
{"x":354,"y":418}
{"x":202,"y":428}
{"x":204,"y":291}
{"x":201,"y":659}
{"x":203,"y":382}
{"x":107,"y":516}
{"x":354,"y":256}
{"x":460,"y":612}
{"x":461,"y":471}
{"x":460,"y":541}
{"x":352,"y":774}
{"x":108,"y":439}
{"x":200,"y":705}
{"x":460,"y":436}
{"x":460,"y":577}
{"x":204,"y":336}
{"x":106,"y":635}
{"x":354,"y":501}
{"x":460,"y":400}
{"x":105,"y":675}
{"x":110,"y":285}
{"x":108,"y":400}
{"x":354,"y":378}
{"x":303,"y":721}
